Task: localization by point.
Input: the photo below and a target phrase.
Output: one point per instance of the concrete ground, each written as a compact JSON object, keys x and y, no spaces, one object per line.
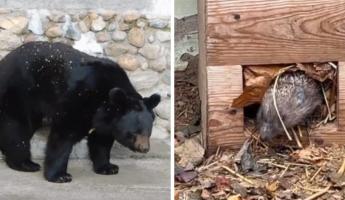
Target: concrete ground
{"x":141,"y":176}
{"x":137,"y":179}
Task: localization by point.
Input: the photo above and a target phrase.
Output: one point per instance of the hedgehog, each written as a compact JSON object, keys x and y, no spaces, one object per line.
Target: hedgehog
{"x":297,"y":97}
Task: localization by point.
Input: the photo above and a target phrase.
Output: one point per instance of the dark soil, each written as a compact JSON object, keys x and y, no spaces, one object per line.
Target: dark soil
{"x":187,"y":101}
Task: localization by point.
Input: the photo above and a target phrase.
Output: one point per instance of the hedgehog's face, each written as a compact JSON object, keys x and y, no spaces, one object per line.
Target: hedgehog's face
{"x":268,"y":129}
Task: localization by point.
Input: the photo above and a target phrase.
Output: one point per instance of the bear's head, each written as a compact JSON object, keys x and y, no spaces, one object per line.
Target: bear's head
{"x":129,"y":119}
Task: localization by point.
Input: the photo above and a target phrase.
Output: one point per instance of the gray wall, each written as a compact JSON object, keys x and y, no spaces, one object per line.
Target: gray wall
{"x":151,"y":7}
{"x":184,"y":8}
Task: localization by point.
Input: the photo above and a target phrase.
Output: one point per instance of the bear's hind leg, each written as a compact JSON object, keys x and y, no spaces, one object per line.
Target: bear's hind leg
{"x":15,"y":145}
{"x":99,"y":150}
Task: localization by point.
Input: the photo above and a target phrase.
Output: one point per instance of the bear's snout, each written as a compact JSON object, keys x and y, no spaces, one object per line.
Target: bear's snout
{"x":142,"y":143}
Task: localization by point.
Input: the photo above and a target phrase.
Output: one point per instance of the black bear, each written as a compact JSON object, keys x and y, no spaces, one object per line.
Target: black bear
{"x":82,"y":95}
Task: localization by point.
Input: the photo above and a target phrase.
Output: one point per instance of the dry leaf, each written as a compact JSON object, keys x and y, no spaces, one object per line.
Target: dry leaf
{"x":190,"y":151}
{"x":186,"y":176}
{"x":272,"y":187}
{"x":307,"y":155}
{"x":205,"y":194}
{"x":318,"y":71}
{"x":177,"y":195}
{"x":207,"y":183}
{"x":234,"y":197}
{"x":251,"y":72}
{"x":257,"y":80}
{"x":244,"y":158}
{"x":222,"y":183}
{"x":249,"y":96}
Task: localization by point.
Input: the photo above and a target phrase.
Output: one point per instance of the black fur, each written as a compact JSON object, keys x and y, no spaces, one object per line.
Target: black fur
{"x":78,"y":93}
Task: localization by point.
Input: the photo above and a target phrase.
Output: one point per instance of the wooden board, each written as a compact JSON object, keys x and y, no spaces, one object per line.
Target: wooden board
{"x":202,"y":74}
{"x":224,"y":124}
{"x":341,"y":98}
{"x":278,"y":31}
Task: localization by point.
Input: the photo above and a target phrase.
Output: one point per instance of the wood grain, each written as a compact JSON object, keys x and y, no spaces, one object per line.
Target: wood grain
{"x":202,"y":73}
{"x":341,"y":97}
{"x":224,"y":124}
{"x":277,"y":31}
{"x":328,"y":134}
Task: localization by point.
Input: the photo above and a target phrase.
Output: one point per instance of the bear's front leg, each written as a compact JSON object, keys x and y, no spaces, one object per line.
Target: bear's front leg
{"x":99,"y":149}
{"x":58,"y":150}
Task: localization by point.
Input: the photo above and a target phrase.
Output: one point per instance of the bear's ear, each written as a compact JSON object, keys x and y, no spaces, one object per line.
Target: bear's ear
{"x":152,"y":101}
{"x":117,"y":96}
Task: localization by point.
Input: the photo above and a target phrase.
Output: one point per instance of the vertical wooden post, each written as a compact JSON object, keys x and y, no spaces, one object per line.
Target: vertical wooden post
{"x":224,"y":124}
{"x":202,"y":74}
{"x":341,"y":97}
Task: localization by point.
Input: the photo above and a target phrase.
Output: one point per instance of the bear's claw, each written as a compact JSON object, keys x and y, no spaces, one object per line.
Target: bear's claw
{"x":64,"y":178}
{"x":108,"y":169}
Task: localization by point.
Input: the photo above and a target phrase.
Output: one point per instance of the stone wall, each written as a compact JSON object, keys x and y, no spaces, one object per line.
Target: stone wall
{"x":138,"y":42}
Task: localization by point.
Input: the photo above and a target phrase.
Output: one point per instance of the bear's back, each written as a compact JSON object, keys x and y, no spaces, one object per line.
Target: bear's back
{"x":50,"y":71}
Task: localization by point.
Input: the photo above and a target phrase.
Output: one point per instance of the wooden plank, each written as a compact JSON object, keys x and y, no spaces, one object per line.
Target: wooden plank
{"x":341,"y":97}
{"x":202,"y":75}
{"x":328,"y":134}
{"x":279,"y":31}
{"x":224,"y":124}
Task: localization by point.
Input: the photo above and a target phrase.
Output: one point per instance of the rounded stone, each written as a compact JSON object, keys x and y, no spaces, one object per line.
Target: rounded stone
{"x":93,"y":15}
{"x":158,"y":23}
{"x":116,"y":49}
{"x":162,"y":123}
{"x":128,"y":62}
{"x":98,"y":24}
{"x":8,"y":40}
{"x":57,"y":16}
{"x":131,"y":16}
{"x":83,"y":27}
{"x":143,"y":62}
{"x":136,"y":37}
{"x":152,"y":51}
{"x":32,"y":37}
{"x":102,"y":36}
{"x":159,"y":64}
{"x":107,"y":14}
{"x":54,"y":31}
{"x":112,"y":26}
{"x":119,"y":35}
{"x":151,"y":38}
{"x":123,"y":26}
{"x":163,"y":36}
{"x":72,"y":31}
{"x":36,"y":24}
{"x":143,"y":80}
{"x":163,"y":109}
{"x":14,"y":24}
{"x":141,"y":23}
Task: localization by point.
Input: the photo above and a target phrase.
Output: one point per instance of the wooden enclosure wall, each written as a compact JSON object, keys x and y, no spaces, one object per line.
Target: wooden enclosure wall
{"x":274,"y":31}
{"x":241,"y":32}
